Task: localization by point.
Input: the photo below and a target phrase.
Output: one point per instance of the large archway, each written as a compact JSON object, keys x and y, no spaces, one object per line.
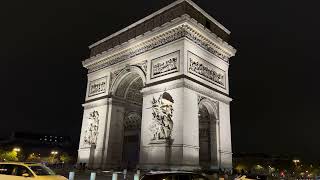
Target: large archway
{"x":128,"y":93}
{"x":208,"y":141}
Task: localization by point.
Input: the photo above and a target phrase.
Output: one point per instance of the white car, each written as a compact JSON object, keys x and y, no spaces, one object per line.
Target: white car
{"x":25,"y":171}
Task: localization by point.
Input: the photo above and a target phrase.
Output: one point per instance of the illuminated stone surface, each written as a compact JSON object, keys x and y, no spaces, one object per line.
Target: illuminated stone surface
{"x":161,"y":97}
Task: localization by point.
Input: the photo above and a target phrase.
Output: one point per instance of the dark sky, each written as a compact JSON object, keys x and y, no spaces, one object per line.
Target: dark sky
{"x":273,"y":78}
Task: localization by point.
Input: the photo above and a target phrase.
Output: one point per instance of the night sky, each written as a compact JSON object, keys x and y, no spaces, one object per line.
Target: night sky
{"x":273,"y":77}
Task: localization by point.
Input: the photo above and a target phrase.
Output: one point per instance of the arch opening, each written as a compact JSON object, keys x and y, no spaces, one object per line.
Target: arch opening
{"x":128,"y":94}
{"x":207,"y":136}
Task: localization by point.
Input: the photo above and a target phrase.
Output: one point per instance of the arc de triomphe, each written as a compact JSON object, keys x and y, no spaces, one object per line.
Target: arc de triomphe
{"x":158,"y":94}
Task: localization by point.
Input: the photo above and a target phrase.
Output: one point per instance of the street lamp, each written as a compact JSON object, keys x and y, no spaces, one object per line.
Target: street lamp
{"x":16,"y":149}
{"x":54,"y":152}
{"x":296,"y":161}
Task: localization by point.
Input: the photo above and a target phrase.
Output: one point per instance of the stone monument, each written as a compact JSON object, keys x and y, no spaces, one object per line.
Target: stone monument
{"x":158,"y":94}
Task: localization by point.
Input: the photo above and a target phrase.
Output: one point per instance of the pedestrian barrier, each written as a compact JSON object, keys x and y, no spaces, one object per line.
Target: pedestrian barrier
{"x":93,"y":176}
{"x":136,"y":177}
{"x":115,"y":176}
{"x":71,"y":175}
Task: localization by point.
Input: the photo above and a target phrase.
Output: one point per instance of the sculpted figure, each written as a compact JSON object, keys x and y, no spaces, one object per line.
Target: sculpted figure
{"x":91,"y":134}
{"x":162,"y":117}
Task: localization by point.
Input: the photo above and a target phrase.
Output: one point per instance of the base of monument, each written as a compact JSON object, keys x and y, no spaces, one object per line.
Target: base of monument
{"x":162,"y":141}
{"x":169,"y":167}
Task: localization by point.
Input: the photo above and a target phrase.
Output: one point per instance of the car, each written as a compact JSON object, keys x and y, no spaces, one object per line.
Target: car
{"x":251,"y":177}
{"x":173,"y":175}
{"x":25,"y":171}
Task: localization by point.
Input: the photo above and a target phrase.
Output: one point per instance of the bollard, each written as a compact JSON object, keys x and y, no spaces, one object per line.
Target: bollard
{"x":93,"y":176}
{"x":136,"y":177}
{"x":114,"y":176}
{"x":71,"y":175}
{"x":125,"y":174}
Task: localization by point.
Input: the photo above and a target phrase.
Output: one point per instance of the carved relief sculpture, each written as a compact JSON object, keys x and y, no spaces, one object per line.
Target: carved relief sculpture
{"x":91,"y":133}
{"x":172,"y":35}
{"x":162,"y":124}
{"x":144,"y":66}
{"x":97,"y":86}
{"x":165,"y":65}
{"x":205,"y":70}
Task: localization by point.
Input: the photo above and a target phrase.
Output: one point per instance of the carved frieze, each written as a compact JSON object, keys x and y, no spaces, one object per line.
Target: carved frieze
{"x":165,"y":65}
{"x":162,"y":123}
{"x":205,"y":70}
{"x":91,"y":133}
{"x":159,"y":40}
{"x":97,"y":86}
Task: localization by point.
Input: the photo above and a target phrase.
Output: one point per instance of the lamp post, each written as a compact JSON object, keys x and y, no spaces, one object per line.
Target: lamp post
{"x":296,"y":161}
{"x":54,"y":153}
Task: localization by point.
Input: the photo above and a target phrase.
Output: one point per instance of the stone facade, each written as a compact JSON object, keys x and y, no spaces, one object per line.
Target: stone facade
{"x":159,"y":100}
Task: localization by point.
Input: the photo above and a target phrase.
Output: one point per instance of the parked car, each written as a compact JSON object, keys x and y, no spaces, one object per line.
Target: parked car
{"x":251,"y":177}
{"x":32,"y":171}
{"x":173,"y":175}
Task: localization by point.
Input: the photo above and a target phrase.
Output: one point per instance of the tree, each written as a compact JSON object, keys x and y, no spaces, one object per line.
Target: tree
{"x":33,"y":158}
{"x":65,"y":158}
{"x":8,"y":155}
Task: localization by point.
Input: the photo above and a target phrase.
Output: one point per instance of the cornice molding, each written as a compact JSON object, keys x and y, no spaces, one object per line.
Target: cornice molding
{"x":96,"y":103}
{"x":206,"y":92}
{"x":203,"y":91}
{"x":183,"y":27}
